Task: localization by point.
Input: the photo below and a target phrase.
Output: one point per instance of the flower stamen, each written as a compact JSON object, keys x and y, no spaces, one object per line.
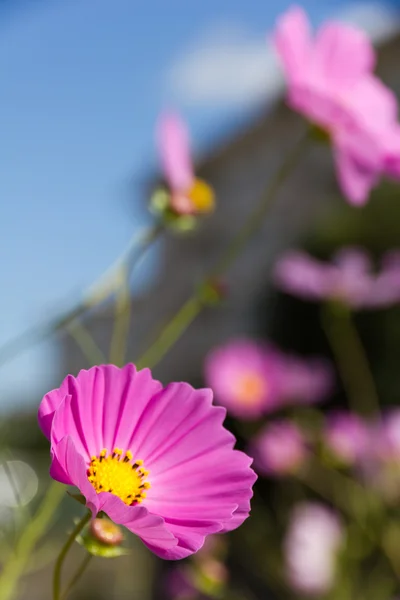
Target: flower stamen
{"x":108,"y":473}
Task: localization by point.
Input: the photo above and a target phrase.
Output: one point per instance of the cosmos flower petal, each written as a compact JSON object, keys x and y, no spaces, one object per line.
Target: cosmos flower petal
{"x":173,"y":142}
{"x":343,"y":53}
{"x":356,"y":179}
{"x":68,"y":464}
{"x":297,"y":272}
{"x":49,"y":404}
{"x":150,"y":528}
{"x":221,"y":490}
{"x":292,"y":39}
{"x":183,"y":424}
{"x":88,"y":415}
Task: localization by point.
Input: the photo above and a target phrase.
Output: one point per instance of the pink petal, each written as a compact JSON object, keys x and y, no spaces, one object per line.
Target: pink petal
{"x":194,"y":472}
{"x":102,"y":407}
{"x":173,"y":143}
{"x":292,"y":39}
{"x":69,"y":467}
{"x":353,"y":261}
{"x":150,"y":528}
{"x":342,"y":53}
{"x":49,"y":404}
{"x":356,"y":178}
{"x":299,"y":274}
{"x":372,"y":103}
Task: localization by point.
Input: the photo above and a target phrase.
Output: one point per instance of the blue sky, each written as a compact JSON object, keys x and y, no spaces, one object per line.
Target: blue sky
{"x":82,"y":84}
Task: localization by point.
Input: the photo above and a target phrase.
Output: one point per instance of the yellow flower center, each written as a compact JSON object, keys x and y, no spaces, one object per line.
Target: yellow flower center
{"x":250,"y":388}
{"x":201,"y":196}
{"x":117,"y":474}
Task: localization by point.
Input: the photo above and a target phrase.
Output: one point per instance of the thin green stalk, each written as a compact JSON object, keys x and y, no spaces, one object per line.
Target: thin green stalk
{"x":86,"y":343}
{"x":94,"y":294}
{"x":350,"y":358}
{"x":256,"y":218}
{"x":78,"y":574}
{"x":14,"y":568}
{"x":171,"y":333}
{"x":63,"y":554}
{"x":193,"y":306}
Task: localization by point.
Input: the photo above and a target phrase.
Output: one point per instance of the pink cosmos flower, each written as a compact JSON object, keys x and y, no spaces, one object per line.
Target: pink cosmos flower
{"x":252,"y":378}
{"x":279,"y":449}
{"x":347,"y":436}
{"x":244,"y":377}
{"x":330,"y":82}
{"x":156,"y":460}
{"x":349,"y":278}
{"x":188,"y":194}
{"x":312,"y":541}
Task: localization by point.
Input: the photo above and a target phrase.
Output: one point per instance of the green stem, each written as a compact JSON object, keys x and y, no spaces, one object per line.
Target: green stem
{"x":78,"y":574}
{"x":350,"y":358}
{"x":95,"y":293}
{"x":64,"y":551}
{"x":86,"y":343}
{"x":193,"y":306}
{"x":256,"y":218}
{"x":171,"y":333}
{"x":16,"y":564}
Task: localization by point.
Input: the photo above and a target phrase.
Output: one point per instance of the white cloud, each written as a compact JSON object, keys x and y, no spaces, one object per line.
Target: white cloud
{"x":379,"y":21}
{"x":229,"y":67}
{"x":226,"y":66}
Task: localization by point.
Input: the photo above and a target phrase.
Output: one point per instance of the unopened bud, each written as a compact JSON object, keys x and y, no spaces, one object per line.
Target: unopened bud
{"x":106,"y":532}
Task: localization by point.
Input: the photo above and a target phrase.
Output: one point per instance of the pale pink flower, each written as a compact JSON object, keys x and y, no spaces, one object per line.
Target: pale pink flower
{"x":244,"y":377}
{"x":252,"y":378}
{"x":279,"y":449}
{"x":347,"y":436}
{"x":330,"y":81}
{"x":348,"y":278}
{"x":189,"y":195}
{"x":311,"y":546}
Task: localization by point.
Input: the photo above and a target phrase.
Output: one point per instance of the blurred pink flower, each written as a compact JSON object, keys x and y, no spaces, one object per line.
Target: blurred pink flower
{"x":330,"y":82}
{"x":252,"y":378}
{"x":311,"y":545}
{"x":188,"y":194}
{"x":348,"y":278}
{"x":279,"y":449}
{"x":347,"y":436}
{"x":244,"y":377}
{"x":156,"y":460}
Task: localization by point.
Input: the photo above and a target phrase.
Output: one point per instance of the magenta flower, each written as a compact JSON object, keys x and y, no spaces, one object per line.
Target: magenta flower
{"x":279,"y":449}
{"x":156,"y":460}
{"x":188,"y":194}
{"x":347,"y":436}
{"x":330,"y":82}
{"x":311,"y":545}
{"x":244,"y":377}
{"x":252,"y":378}
{"x":349,"y":278}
